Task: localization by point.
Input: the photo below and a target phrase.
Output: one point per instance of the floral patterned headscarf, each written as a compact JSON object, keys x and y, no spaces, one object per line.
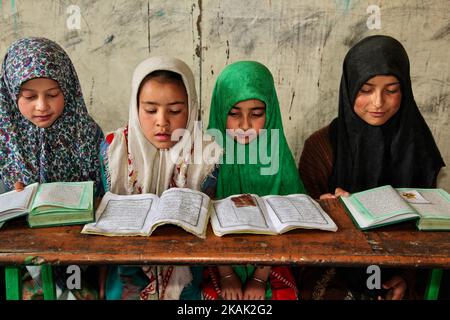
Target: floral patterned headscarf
{"x":68,"y":150}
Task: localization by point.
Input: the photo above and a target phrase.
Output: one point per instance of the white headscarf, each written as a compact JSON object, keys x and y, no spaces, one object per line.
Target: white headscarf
{"x":136,"y":166}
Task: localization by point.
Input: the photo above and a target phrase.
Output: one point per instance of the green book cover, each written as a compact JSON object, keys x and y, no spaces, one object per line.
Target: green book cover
{"x":433,"y":205}
{"x":62,"y":203}
{"x":386,"y":205}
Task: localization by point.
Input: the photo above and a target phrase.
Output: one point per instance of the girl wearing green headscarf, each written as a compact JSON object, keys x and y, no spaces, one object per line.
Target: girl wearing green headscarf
{"x":245,"y":110}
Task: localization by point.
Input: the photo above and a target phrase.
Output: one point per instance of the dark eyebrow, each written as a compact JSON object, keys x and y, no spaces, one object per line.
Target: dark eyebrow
{"x":176,"y":102}
{"x":53,"y":88}
{"x":389,"y":84}
{"x":149,"y":102}
{"x":153,"y":103}
{"x":27,"y":89}
{"x":253,"y":108}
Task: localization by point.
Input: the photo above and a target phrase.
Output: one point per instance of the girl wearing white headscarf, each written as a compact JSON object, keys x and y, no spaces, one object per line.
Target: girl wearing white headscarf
{"x":133,"y":165}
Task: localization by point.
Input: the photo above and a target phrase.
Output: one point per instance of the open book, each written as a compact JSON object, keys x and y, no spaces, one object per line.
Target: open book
{"x":50,"y":204}
{"x":385,"y":205}
{"x":141,"y":214}
{"x":131,"y":215}
{"x":268,"y":215}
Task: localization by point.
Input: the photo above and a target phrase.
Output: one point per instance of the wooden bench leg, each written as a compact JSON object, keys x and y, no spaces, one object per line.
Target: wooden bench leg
{"x":13,"y":283}
{"x":432,"y":291}
{"x":48,"y":285}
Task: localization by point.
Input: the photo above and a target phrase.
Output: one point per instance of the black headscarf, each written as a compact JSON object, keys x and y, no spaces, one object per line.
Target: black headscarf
{"x":401,"y":152}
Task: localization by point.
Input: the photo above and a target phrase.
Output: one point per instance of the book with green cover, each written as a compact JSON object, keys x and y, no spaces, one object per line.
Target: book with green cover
{"x":386,"y":205}
{"x":50,"y":204}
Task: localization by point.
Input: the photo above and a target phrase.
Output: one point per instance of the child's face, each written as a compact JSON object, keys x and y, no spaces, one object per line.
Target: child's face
{"x":378,"y":100}
{"x":163,"y":108}
{"x":41,"y":101}
{"x":246,"y":119}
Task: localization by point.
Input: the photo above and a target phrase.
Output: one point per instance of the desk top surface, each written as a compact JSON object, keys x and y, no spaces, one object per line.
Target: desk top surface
{"x":395,"y":245}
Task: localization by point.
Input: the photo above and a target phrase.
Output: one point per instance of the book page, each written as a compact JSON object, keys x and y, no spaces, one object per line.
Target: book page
{"x":381,"y":202}
{"x":127,"y":214}
{"x":229,"y":217}
{"x":17,"y":201}
{"x":297,"y":210}
{"x":59,"y":194}
{"x":183,"y":207}
{"x":412,"y":196}
{"x":436,"y":203}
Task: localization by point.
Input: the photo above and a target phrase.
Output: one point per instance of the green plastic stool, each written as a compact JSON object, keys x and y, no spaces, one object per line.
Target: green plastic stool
{"x":13,"y":283}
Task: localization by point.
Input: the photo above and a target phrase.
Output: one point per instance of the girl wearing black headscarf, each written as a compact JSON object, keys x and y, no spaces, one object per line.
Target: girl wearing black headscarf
{"x":379,"y":136}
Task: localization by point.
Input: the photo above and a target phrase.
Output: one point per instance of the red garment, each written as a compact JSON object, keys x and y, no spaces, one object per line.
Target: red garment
{"x":282,"y":284}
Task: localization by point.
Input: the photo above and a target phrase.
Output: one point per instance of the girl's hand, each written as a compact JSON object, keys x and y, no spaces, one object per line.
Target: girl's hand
{"x":339,"y":192}
{"x":327,"y":196}
{"x":231,"y":287}
{"x":397,"y":288}
{"x":19,"y":186}
{"x":255,"y":289}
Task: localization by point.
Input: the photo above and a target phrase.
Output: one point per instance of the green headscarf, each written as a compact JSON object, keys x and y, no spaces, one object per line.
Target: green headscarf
{"x":238,"y":82}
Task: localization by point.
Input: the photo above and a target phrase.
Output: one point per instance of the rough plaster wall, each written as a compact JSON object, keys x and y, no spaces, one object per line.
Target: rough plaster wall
{"x":114,"y":37}
{"x":302,"y":42}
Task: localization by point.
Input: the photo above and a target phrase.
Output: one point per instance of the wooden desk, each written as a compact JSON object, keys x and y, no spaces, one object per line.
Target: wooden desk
{"x":398,"y":245}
